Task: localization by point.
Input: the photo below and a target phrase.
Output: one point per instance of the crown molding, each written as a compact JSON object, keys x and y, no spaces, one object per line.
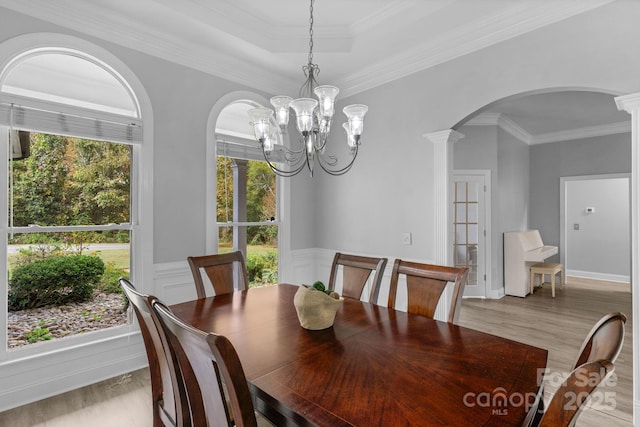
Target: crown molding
{"x":581,"y":133}
{"x":219,"y":59}
{"x":504,"y":123}
{"x":526,"y":17}
{"x":508,"y":125}
{"x":84,"y":18}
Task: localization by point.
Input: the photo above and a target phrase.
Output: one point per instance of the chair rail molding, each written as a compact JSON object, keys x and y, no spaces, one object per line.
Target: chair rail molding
{"x":631,"y":104}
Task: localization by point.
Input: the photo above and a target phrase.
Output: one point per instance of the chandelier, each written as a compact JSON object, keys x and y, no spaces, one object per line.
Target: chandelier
{"x":313,"y":122}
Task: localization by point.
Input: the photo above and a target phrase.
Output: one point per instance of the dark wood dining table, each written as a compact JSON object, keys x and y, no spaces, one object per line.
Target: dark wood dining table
{"x":374,"y":367}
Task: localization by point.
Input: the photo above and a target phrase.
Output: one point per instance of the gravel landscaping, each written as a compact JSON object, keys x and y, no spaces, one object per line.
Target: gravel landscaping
{"x":104,"y":311}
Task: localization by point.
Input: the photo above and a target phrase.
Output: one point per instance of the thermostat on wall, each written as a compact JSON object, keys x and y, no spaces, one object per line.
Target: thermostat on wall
{"x":589,"y":210}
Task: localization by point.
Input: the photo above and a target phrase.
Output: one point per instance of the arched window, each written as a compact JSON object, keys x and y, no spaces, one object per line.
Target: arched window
{"x":247,"y":203}
{"x":72,"y":128}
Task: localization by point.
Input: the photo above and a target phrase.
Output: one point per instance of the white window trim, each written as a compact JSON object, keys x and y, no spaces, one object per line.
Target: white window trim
{"x":283,"y":187}
{"x":31,"y":374}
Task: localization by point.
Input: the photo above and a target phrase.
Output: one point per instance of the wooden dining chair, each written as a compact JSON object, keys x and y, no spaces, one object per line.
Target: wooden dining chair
{"x":356,"y":270}
{"x":223,"y":270}
{"x":170,"y":407}
{"x":425,"y":284}
{"x":604,"y":341}
{"x":219,"y":377}
{"x":569,"y":399}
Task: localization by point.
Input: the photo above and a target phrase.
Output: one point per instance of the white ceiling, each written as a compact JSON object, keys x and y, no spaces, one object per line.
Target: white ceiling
{"x":358,"y":44}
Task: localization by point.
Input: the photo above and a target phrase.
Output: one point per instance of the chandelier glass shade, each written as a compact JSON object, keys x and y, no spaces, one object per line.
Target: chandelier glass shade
{"x":314,"y":111}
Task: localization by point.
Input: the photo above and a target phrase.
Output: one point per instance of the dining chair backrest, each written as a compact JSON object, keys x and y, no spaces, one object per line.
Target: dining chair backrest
{"x":569,"y":399}
{"x":220,"y":378}
{"x":170,"y":407}
{"x":223,"y":270}
{"x":604,"y":341}
{"x":356,"y":270}
{"x":425,"y":285}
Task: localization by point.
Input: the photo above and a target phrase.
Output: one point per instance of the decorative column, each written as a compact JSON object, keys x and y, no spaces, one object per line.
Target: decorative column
{"x":442,"y":204}
{"x":239,"y":168}
{"x":631,"y":104}
{"x":442,"y":175}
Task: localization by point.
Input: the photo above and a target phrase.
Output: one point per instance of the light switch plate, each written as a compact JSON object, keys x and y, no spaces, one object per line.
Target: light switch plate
{"x":406,"y":238}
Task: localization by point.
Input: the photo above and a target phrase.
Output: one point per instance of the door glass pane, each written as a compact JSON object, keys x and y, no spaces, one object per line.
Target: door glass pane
{"x":461,"y":212}
{"x":473,"y":188}
{"x":461,"y":233}
{"x":461,"y":255}
{"x":461,"y":191}
{"x":473,"y":212}
{"x":472,"y":238}
{"x":467,"y":232}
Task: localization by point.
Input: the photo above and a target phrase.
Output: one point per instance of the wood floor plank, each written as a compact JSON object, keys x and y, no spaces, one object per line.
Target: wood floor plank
{"x":560,"y":325}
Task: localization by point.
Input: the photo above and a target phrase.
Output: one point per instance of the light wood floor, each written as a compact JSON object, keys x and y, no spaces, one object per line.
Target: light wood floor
{"x":119,"y":402}
{"x":559,"y":325}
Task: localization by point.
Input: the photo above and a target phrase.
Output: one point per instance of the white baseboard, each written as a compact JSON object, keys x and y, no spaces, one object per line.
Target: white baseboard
{"x":495,"y":293}
{"x":598,"y":276}
{"x":50,"y":373}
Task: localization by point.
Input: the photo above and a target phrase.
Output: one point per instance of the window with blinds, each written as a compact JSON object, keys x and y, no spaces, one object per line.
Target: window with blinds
{"x":72,"y":131}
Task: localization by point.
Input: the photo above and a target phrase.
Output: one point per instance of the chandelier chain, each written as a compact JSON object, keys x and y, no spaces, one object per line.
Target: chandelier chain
{"x":313,"y":122}
{"x":311,"y":32}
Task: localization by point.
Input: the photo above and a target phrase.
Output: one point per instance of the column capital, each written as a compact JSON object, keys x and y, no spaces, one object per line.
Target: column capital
{"x":628,"y":103}
{"x":443,"y":136}
{"x":239,"y":163}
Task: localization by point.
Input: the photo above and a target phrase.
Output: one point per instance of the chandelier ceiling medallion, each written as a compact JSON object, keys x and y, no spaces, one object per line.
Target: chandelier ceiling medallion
{"x":313,"y":122}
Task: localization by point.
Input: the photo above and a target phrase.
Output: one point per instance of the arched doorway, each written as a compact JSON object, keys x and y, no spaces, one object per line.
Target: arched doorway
{"x":598,"y":143}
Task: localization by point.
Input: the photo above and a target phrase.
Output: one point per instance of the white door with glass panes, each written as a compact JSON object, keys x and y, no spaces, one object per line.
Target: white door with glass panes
{"x":469,"y":228}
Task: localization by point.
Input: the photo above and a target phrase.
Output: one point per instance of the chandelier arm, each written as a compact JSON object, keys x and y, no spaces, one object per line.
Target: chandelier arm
{"x":282,"y":172}
{"x":290,"y":151}
{"x":324,"y":137}
{"x":341,"y":171}
{"x":332,"y":160}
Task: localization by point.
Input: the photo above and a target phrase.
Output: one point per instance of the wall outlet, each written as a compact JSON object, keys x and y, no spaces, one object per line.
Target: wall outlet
{"x":406,"y":238}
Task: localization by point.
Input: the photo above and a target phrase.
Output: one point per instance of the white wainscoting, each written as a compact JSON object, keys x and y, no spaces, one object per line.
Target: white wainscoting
{"x":315,"y":264}
{"x":39,"y":375}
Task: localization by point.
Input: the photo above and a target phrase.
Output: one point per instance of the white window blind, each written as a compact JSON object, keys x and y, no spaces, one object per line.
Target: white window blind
{"x":24,"y":114}
{"x":248,"y":149}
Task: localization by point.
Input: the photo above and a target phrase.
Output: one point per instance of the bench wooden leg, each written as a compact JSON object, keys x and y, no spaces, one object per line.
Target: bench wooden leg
{"x":532,"y":278}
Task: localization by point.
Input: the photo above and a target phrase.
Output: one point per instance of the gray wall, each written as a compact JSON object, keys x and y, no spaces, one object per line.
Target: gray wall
{"x":182,"y":99}
{"x":390,"y":189}
{"x":526,"y":183}
{"x":489,"y":147}
{"x":601,"y":244}
{"x":513,"y":192}
{"x":549,"y":162}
